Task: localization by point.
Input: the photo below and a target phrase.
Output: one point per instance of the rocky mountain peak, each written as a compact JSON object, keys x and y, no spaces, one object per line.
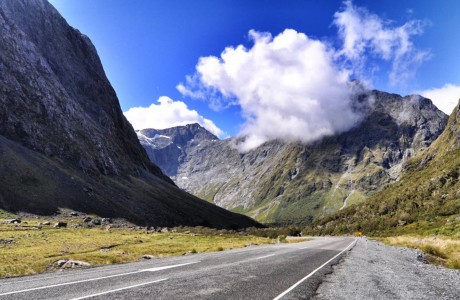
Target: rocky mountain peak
{"x":168,"y":147}
{"x":181,"y":135}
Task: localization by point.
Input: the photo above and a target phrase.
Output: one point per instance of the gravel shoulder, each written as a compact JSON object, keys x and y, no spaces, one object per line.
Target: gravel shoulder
{"x":384,"y":272}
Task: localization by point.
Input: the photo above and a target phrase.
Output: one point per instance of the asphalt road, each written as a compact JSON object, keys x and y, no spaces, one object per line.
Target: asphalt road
{"x":283,"y":271}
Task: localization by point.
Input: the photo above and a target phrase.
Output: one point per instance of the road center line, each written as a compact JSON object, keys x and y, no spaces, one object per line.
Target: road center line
{"x":120,"y":289}
{"x":94,"y":279}
{"x":264,"y":256}
{"x":311,"y":274}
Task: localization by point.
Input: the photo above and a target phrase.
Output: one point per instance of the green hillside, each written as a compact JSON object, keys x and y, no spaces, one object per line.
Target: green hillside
{"x":426,"y":200}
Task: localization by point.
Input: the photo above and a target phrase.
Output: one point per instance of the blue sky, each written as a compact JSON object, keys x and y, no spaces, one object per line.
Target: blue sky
{"x":149,"y":47}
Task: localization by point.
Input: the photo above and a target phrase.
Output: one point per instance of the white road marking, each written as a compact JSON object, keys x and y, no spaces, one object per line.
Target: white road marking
{"x":309,"y":275}
{"x":94,"y":279}
{"x":66,"y":283}
{"x":304,"y":248}
{"x":168,"y":267}
{"x":72,"y":273}
{"x":264,"y":256}
{"x":120,"y":289}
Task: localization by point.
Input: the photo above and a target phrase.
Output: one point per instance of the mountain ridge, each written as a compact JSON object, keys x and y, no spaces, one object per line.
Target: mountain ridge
{"x":425,"y":200}
{"x":285,"y":182}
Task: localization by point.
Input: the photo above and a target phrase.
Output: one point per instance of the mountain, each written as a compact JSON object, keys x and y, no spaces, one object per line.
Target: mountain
{"x":425,"y":199}
{"x":64,"y":142}
{"x":168,"y":147}
{"x":283,"y":182}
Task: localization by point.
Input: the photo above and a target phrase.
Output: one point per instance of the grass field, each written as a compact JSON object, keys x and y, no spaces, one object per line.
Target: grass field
{"x":25,"y":249}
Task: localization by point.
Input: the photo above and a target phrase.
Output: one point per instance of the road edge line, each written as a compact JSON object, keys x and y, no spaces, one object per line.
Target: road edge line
{"x":95,"y":279}
{"x":312,"y":273}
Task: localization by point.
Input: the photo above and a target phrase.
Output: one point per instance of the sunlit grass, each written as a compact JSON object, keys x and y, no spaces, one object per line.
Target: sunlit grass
{"x":32,"y":250}
{"x":441,"y":250}
{"x":291,"y":239}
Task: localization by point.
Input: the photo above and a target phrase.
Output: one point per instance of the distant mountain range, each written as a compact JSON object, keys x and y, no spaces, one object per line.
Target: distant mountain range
{"x":284,"y":183}
{"x":64,"y":142}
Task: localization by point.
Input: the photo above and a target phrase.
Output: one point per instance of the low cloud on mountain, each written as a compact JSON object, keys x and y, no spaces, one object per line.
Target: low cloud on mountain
{"x":297,"y":88}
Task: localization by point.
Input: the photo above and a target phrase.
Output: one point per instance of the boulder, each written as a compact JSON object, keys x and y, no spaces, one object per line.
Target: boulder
{"x":106,"y":221}
{"x":60,"y":225}
{"x":67,"y":264}
{"x":13,"y":221}
{"x":401,"y":223}
{"x":422,"y":258}
{"x":6,"y":241}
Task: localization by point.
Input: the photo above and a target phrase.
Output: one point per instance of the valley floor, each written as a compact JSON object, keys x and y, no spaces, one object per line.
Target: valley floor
{"x":31,"y":247}
{"x":377,"y":271}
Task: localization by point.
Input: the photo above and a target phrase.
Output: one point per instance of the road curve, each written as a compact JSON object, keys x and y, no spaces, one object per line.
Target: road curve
{"x":283,"y":271}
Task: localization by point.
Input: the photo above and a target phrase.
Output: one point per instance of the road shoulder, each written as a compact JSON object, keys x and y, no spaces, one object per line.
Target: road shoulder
{"x":377,"y":271}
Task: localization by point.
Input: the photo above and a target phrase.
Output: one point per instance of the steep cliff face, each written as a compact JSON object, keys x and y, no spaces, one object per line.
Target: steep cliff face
{"x":64,"y":139}
{"x":288,"y":182}
{"x":56,"y":98}
{"x":425,"y":199}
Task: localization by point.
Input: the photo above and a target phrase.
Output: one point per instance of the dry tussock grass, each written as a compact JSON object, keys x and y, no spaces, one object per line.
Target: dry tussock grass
{"x":443,"y":250}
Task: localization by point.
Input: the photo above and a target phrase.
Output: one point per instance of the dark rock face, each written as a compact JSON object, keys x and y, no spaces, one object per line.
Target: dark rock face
{"x":55,"y":93}
{"x":290,"y":182}
{"x":64,"y":141}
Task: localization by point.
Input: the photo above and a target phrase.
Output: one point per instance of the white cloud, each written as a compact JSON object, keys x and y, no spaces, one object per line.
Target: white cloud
{"x":445,"y":98}
{"x":296,"y":88}
{"x":288,"y":88}
{"x":366,"y":35}
{"x":168,"y":113}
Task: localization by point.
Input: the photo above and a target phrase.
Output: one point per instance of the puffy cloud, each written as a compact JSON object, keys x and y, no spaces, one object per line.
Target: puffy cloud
{"x":288,"y":88}
{"x":365,"y":34}
{"x":168,"y":113}
{"x":445,"y":98}
{"x":296,"y":88}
